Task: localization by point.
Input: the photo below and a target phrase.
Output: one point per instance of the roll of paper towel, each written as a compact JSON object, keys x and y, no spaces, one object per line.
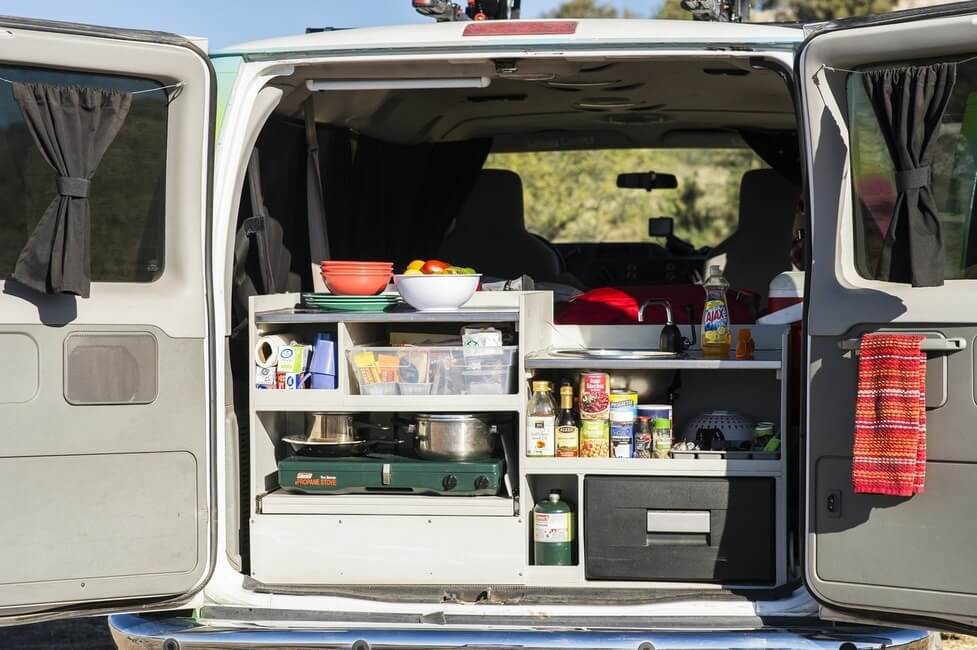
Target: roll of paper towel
{"x":266,"y":349}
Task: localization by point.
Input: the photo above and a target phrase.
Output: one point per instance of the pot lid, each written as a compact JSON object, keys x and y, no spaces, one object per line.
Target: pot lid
{"x":452,"y":417}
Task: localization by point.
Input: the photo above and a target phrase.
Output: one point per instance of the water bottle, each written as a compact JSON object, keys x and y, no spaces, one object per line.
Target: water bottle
{"x":716,"y":336}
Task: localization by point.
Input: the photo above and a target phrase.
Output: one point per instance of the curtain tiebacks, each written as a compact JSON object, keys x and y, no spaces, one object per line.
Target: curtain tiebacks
{"x":73,"y":186}
{"x":913,"y":179}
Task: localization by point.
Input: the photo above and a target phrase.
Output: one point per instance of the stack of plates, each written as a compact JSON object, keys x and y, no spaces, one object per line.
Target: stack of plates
{"x":331,"y":302}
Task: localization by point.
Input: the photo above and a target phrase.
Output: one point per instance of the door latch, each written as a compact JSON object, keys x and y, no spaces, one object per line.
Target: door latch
{"x":833,"y":503}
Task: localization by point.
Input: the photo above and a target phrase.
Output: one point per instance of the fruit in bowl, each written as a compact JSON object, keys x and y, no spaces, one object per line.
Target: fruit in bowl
{"x":437,"y":267}
{"x":433,"y":285}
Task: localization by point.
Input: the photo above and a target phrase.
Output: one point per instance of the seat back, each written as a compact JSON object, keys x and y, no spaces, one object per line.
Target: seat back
{"x":760,"y":248}
{"x":490,"y":233}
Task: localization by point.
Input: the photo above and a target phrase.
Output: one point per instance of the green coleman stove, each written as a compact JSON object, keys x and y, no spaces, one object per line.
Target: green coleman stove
{"x":390,"y":474}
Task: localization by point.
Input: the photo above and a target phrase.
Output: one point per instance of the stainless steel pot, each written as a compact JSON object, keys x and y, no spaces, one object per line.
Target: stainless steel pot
{"x":336,"y":428}
{"x":454,"y":436}
{"x":336,"y":434}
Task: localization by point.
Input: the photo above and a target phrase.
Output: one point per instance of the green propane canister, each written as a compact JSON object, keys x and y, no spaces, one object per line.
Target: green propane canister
{"x":553,"y":531}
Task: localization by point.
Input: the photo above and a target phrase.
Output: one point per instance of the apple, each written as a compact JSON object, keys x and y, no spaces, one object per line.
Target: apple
{"x":434,"y":266}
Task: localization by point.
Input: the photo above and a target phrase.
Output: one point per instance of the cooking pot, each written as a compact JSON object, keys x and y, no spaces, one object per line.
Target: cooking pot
{"x":337,"y":428}
{"x":454,"y":436}
{"x":334,"y":434}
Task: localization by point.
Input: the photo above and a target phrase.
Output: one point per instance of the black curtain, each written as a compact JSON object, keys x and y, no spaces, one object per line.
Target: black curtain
{"x":909,"y":103}
{"x":780,"y":150}
{"x":73,"y":127}
{"x":406,"y":196}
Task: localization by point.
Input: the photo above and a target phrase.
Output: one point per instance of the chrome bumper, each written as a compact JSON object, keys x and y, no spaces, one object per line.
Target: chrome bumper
{"x":145,"y":633}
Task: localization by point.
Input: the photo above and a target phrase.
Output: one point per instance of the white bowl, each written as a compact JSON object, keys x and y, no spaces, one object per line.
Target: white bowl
{"x":436,"y":292}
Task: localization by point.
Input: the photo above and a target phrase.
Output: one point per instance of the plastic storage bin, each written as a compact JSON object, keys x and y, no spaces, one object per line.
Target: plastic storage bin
{"x":455,"y":370}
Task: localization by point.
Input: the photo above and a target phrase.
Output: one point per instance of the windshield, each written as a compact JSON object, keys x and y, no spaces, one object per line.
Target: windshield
{"x":572,"y":196}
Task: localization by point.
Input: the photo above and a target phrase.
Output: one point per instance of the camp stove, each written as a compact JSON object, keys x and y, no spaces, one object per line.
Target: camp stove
{"x":390,"y":474}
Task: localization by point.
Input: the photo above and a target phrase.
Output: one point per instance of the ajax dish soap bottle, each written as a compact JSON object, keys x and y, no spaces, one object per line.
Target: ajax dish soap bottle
{"x":716,"y":336}
{"x":553,"y":531}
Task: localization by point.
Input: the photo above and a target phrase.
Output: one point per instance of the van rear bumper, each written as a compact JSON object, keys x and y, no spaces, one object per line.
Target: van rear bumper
{"x":147,"y":633}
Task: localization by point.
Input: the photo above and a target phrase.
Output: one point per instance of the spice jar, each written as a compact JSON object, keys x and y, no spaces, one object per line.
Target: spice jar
{"x":662,"y":438}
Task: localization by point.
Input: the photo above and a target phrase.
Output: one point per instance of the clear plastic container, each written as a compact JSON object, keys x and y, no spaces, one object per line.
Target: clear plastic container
{"x":383,"y":388}
{"x":404,"y":388}
{"x":447,"y":370}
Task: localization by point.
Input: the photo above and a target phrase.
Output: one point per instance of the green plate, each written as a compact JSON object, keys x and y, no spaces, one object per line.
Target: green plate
{"x":327,"y":302}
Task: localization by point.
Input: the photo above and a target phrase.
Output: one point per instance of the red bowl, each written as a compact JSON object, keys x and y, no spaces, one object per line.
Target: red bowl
{"x":365,"y":265}
{"x":356,"y":284}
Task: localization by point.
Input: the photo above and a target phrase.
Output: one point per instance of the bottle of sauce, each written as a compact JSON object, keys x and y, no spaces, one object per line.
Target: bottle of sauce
{"x":553,"y":531}
{"x":541,"y":421}
{"x":567,"y":428}
{"x":716,"y":337}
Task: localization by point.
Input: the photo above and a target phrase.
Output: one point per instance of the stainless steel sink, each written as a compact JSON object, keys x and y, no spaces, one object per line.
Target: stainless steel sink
{"x":612,"y":354}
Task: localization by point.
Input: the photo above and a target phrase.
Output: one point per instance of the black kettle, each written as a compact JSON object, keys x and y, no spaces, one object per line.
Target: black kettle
{"x":671,"y":339}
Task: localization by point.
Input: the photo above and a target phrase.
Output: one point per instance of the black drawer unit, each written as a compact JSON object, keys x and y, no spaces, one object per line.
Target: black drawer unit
{"x":679,"y":529}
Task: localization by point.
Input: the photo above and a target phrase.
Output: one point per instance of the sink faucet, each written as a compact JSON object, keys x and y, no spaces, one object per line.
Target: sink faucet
{"x":655,"y":303}
{"x":671,"y":339}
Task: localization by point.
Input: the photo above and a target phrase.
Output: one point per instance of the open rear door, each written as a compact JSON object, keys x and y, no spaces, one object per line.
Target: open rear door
{"x":909,"y":560}
{"x":106,"y":400}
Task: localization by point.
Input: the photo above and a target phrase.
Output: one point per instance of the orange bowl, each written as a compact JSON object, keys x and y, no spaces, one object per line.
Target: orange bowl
{"x":355,"y":283}
{"x":352,"y":264}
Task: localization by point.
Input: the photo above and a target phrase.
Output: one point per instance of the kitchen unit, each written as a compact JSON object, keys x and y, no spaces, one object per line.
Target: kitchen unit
{"x":706,"y":520}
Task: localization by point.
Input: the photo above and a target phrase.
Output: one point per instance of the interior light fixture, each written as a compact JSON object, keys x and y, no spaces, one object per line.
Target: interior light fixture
{"x":397,"y":84}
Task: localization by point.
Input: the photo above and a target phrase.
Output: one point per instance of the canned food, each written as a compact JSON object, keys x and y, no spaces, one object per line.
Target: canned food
{"x":763,"y":430}
{"x":622,"y":435}
{"x":655,"y":411}
{"x":595,"y":438}
{"x":595,"y":395}
{"x":623,"y":406}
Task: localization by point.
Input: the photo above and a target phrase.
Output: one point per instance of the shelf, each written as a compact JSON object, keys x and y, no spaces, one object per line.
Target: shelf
{"x":280,"y":502}
{"x":650,"y":466}
{"x":763,"y":360}
{"x":398,"y":315}
{"x":326,"y":400}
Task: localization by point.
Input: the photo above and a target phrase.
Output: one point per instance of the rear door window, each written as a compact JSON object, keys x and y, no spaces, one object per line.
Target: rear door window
{"x":954,"y":171}
{"x":127,"y":194}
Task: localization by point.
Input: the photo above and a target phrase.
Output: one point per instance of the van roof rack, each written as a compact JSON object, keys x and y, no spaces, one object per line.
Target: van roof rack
{"x":447,"y":11}
{"x":722,"y":11}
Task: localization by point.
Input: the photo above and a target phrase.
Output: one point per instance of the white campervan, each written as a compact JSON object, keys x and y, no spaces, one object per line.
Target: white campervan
{"x":164,"y":214}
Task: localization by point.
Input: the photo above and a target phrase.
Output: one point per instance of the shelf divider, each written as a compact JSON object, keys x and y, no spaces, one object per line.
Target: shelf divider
{"x":337,"y":400}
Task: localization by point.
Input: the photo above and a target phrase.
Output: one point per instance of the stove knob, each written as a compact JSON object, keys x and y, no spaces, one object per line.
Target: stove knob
{"x":481,"y":482}
{"x":449,"y":482}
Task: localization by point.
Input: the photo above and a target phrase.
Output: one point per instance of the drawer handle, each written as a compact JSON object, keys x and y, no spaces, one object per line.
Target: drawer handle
{"x":678,"y":521}
{"x":953,"y":344}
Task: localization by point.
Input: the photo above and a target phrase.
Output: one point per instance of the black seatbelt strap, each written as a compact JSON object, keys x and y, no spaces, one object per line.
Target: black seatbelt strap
{"x":318,"y":235}
{"x":254,"y":226}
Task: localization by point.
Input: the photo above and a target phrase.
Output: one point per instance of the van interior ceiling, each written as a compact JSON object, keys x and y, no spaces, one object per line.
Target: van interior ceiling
{"x":409,"y":168}
{"x":379,"y":145}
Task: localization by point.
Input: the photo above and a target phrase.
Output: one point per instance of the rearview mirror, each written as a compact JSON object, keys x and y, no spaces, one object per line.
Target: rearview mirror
{"x":661,"y":227}
{"x":647,"y":181}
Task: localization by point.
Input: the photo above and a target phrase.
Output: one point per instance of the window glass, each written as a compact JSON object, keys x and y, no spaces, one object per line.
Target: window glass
{"x":954,"y":171}
{"x":572,"y":196}
{"x":127,"y":192}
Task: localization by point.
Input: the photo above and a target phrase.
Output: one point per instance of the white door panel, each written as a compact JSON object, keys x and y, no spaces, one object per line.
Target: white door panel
{"x":105,"y":448}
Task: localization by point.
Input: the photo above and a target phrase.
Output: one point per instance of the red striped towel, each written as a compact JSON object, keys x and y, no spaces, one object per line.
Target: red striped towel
{"x":889,"y":455}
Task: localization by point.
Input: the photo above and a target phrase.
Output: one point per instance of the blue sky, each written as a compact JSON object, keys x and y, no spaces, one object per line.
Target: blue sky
{"x":226,"y":22}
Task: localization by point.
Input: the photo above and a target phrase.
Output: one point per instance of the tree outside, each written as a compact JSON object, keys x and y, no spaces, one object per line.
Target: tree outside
{"x":776,"y":10}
